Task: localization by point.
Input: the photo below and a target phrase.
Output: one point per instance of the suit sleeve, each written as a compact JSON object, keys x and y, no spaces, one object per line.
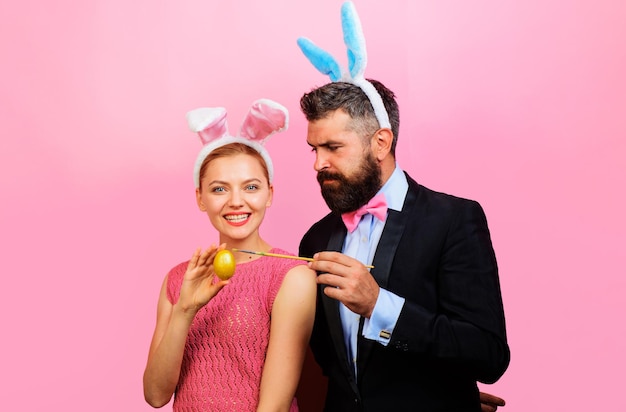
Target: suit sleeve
{"x":320,"y":342}
{"x":465,"y":326}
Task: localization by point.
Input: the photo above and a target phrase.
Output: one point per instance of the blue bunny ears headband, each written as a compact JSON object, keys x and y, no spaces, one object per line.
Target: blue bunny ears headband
{"x":357,"y":60}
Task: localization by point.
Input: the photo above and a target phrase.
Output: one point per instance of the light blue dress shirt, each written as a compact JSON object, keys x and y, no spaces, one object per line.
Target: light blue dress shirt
{"x":361,"y":245}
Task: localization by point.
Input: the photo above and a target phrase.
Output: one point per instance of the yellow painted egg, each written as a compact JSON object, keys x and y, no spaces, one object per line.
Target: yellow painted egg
{"x":224,"y":264}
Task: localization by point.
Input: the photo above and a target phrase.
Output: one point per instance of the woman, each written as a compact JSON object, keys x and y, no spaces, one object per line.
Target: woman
{"x":238,"y":344}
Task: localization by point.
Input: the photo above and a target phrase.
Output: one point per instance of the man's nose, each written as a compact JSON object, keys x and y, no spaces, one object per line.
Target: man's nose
{"x":321,"y":162}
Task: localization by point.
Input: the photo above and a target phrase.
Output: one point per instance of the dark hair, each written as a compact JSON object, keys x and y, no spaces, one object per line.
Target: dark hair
{"x":320,"y":102}
{"x":231,"y":149}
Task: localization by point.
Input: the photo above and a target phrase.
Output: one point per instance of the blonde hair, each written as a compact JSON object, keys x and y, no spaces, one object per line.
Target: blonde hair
{"x":232,"y":149}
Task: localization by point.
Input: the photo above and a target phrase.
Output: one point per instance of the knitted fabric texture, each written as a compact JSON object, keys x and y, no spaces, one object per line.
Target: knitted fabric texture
{"x":228,"y":339}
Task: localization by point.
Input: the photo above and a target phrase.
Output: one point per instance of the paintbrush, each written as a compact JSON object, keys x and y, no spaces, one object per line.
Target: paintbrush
{"x":252,"y":252}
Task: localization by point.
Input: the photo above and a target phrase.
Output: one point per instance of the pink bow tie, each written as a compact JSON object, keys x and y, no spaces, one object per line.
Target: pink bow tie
{"x":377,"y":206}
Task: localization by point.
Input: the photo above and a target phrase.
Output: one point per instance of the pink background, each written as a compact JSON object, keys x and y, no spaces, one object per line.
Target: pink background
{"x":519,"y":105}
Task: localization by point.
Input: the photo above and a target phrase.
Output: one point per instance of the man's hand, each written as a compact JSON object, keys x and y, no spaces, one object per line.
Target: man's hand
{"x":349,"y":281}
{"x":489,"y":403}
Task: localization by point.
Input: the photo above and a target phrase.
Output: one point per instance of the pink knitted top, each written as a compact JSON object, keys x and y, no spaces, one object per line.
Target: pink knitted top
{"x":228,"y":339}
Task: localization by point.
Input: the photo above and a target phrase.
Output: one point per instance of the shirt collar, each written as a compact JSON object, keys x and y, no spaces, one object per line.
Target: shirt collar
{"x":395,"y":189}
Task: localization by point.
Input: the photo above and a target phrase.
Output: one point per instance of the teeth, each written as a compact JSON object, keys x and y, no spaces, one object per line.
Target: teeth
{"x":236,"y":218}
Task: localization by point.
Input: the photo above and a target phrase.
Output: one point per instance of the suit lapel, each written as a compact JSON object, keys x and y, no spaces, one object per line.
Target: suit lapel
{"x":385,"y":252}
{"x":331,"y":306}
{"x":390,"y":238}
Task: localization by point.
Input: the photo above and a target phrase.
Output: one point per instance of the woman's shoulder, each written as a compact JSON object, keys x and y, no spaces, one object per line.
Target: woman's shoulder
{"x":295,"y":268}
{"x":278,"y":268}
{"x":298,"y":285}
{"x":178,"y":271}
{"x":175,"y":280}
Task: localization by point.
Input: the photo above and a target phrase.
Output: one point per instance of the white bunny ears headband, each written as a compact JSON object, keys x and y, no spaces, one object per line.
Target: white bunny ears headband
{"x":264,"y":118}
{"x":357,"y":60}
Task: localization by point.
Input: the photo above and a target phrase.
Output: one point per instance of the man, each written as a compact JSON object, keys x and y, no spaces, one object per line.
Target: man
{"x":420,"y":328}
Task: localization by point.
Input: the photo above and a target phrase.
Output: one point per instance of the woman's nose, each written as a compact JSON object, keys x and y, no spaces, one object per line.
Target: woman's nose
{"x":236,"y":199}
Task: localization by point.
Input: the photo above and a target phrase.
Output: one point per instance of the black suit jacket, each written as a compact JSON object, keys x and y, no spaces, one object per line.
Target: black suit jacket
{"x":437,"y":254}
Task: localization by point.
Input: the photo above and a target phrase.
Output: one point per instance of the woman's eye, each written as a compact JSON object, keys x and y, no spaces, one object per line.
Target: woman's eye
{"x":252,"y":187}
{"x":218,"y":189}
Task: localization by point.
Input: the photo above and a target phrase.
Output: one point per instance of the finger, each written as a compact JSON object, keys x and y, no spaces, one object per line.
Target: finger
{"x":193,"y":262}
{"x":212,"y":251}
{"x":331,"y":280}
{"x":491,"y":399}
{"x":333,"y":292}
{"x":487,"y":408}
{"x":336,"y":257}
{"x":341,"y":296}
{"x":204,"y":257}
{"x":215,"y":288}
{"x":330,"y":267}
{"x":220,"y":284}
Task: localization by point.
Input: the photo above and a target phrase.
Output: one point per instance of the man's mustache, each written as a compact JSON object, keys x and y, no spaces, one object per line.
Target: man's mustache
{"x":323,"y":175}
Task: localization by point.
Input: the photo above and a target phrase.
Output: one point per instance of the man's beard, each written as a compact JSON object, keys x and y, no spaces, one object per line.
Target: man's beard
{"x":347,"y":194}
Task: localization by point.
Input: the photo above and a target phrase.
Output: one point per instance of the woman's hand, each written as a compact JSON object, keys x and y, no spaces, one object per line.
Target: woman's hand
{"x":199,"y":283}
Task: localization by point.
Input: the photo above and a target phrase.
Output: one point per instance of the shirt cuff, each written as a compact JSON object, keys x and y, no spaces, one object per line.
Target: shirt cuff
{"x":380,"y":325}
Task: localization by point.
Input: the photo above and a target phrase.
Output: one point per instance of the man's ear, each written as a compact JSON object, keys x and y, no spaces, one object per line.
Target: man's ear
{"x":381,"y":143}
{"x":199,"y":201}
